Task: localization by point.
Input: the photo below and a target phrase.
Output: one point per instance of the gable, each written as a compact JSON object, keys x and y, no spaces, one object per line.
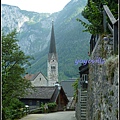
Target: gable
{"x":39,"y":80}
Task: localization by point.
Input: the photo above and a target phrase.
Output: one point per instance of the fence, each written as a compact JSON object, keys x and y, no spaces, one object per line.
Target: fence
{"x":113,"y":28}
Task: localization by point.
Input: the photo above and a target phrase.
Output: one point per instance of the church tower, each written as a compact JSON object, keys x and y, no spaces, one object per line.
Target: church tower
{"x":52,"y":70}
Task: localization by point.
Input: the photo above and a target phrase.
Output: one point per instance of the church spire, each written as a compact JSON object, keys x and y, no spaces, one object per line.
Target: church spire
{"x":52,"y":41}
{"x":52,"y":69}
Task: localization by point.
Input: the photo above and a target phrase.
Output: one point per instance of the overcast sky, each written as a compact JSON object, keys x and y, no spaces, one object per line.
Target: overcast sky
{"x":45,"y":6}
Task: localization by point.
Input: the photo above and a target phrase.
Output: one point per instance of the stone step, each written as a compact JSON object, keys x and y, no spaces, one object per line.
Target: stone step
{"x":83,"y":103}
{"x":83,"y":106}
{"x":83,"y":113}
{"x":83,"y":95}
{"x":83,"y":99}
{"x":83,"y":109}
{"x":83,"y":91}
{"x":83,"y":118}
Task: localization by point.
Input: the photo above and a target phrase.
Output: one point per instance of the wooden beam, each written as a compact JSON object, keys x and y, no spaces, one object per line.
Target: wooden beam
{"x":115,"y":38}
{"x":110,"y":28}
{"x":104,"y":20}
{"x":110,"y":15}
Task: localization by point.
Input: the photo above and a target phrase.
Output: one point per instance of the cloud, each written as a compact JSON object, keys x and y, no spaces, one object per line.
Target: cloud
{"x":48,"y":6}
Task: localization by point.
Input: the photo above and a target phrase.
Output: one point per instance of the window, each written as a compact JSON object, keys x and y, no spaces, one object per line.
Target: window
{"x":52,"y":67}
{"x":30,"y":102}
{"x":37,"y":103}
{"x":84,"y":77}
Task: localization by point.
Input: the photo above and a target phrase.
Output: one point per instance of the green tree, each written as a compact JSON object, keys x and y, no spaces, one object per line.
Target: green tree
{"x":93,"y":12}
{"x":75,"y":86}
{"x":13,"y":61}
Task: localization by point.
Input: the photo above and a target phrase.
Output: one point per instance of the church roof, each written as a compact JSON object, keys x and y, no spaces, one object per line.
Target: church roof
{"x":52,"y":48}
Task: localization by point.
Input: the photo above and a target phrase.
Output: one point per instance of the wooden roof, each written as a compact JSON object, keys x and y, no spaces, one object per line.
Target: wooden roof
{"x":42,"y":92}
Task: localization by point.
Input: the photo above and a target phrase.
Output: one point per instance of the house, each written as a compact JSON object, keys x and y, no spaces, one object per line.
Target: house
{"x":37,"y":79}
{"x":69,"y":91}
{"x":45,"y":94}
{"x":84,"y":72}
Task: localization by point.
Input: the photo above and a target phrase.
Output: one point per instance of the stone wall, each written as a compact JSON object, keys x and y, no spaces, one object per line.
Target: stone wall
{"x":103,"y":85}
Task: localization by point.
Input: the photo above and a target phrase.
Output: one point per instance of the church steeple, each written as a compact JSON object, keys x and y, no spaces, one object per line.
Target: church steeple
{"x":52,"y":70}
{"x":52,"y":49}
{"x":52,"y":41}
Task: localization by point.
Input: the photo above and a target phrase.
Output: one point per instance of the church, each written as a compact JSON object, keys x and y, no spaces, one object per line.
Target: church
{"x":39,"y":79}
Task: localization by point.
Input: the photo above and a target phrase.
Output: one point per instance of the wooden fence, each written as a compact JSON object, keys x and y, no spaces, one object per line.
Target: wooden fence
{"x":113,"y":28}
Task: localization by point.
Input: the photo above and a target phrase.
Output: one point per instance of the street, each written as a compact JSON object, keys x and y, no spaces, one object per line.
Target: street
{"x":66,"y":115}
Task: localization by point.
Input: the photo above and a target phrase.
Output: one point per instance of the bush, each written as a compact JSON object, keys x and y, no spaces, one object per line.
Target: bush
{"x":52,"y":105}
{"x":13,"y":111}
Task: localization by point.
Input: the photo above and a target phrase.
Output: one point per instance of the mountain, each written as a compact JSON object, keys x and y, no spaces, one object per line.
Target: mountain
{"x":34,"y":36}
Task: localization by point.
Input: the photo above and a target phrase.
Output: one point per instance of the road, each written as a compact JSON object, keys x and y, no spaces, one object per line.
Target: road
{"x":66,"y":115}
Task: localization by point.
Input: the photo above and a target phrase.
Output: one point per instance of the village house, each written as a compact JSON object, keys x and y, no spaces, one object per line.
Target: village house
{"x":45,"y":94}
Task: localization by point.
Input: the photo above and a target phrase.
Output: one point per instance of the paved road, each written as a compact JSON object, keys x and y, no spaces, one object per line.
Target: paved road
{"x":67,"y":115}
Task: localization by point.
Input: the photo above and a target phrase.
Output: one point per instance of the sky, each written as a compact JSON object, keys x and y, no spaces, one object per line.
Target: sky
{"x":41,"y":6}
